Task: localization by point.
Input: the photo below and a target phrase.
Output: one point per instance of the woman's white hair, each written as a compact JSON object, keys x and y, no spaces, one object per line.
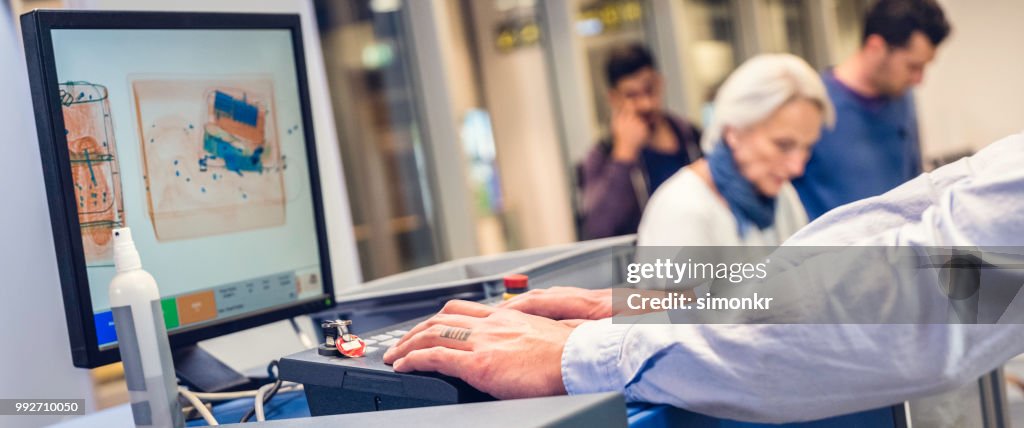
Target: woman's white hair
{"x":759,"y":87}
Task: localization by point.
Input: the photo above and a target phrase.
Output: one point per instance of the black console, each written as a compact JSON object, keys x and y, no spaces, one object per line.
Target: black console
{"x":336,"y":385}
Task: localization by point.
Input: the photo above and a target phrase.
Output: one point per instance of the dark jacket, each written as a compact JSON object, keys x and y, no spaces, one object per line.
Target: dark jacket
{"x":613,"y":194}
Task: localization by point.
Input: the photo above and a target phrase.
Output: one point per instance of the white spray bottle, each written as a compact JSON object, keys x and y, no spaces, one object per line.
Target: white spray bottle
{"x":142,"y":339}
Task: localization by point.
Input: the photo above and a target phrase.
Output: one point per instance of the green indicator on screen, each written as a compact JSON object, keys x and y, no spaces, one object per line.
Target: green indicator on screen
{"x":170,"y":308}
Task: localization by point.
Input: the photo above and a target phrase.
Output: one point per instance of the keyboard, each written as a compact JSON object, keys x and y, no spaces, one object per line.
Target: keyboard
{"x":336,"y":385}
{"x":383,"y":340}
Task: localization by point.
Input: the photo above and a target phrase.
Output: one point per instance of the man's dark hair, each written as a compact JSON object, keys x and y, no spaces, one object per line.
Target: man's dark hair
{"x":896,"y":20}
{"x":626,"y":60}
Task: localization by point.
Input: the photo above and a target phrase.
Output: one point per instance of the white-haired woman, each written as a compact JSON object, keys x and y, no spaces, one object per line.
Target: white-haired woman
{"x":767,"y":116}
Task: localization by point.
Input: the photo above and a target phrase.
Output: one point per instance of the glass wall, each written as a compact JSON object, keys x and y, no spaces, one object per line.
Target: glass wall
{"x":509,"y":128}
{"x":712,"y":44}
{"x":515,"y":29}
{"x":790,"y":23}
{"x":849,"y":26}
{"x":367,"y":58}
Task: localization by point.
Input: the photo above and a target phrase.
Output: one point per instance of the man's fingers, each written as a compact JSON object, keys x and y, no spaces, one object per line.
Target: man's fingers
{"x":453,"y":307}
{"x":573,"y":322}
{"x":555,"y":302}
{"x":441,"y":318}
{"x":532,"y":302}
{"x":553,"y":292}
{"x":542,"y":306}
{"x":451,"y":362}
{"x":463,"y":307}
{"x":517,"y":301}
{"x":436,"y":335}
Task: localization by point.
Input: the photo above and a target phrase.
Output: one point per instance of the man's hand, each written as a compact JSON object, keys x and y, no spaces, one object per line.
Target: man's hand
{"x":502,"y":352}
{"x":564,"y":303}
{"x":629,"y":133}
{"x":576,"y":305}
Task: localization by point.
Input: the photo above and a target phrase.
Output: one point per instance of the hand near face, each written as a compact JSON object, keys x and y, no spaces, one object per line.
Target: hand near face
{"x":630,"y":133}
{"x":564,"y":303}
{"x":502,"y":352}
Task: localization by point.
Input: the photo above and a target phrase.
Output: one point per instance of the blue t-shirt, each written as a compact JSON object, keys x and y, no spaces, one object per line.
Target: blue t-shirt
{"x":661,"y":166}
{"x":872,"y":149}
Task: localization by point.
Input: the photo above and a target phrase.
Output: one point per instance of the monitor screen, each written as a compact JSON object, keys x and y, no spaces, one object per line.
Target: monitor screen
{"x":197,"y":139}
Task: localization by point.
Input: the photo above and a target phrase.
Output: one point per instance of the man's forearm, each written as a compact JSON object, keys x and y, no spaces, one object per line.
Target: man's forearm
{"x":781,"y":373}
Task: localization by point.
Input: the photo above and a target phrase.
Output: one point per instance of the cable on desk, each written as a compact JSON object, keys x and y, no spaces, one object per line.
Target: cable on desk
{"x":204,"y":397}
{"x":262,"y":396}
{"x":270,"y":390}
{"x":198,"y":405}
{"x":225,"y":396}
{"x":258,"y":403}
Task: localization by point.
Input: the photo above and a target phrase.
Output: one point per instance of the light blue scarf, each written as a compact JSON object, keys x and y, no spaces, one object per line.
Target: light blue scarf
{"x":746,"y":203}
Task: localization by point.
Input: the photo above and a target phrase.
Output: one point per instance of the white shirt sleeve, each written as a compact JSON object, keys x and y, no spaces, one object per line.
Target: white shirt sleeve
{"x":776,"y":373}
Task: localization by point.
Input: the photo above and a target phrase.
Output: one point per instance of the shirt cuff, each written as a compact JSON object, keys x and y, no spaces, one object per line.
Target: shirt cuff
{"x":590,"y":358}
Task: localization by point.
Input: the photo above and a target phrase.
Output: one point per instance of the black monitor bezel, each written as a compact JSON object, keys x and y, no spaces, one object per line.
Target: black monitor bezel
{"x":36,"y":27}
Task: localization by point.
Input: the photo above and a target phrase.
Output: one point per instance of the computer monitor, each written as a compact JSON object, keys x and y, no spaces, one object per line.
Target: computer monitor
{"x":193,"y":129}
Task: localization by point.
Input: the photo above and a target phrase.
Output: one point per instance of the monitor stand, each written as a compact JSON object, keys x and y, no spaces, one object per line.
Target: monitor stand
{"x":201,"y":371}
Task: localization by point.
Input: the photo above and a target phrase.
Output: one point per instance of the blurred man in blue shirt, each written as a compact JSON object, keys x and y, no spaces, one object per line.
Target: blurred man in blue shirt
{"x":874,"y":145}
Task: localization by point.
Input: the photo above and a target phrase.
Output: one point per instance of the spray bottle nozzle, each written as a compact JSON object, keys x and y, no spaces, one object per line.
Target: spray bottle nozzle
{"x":122,"y":235}
{"x":126,"y":257}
